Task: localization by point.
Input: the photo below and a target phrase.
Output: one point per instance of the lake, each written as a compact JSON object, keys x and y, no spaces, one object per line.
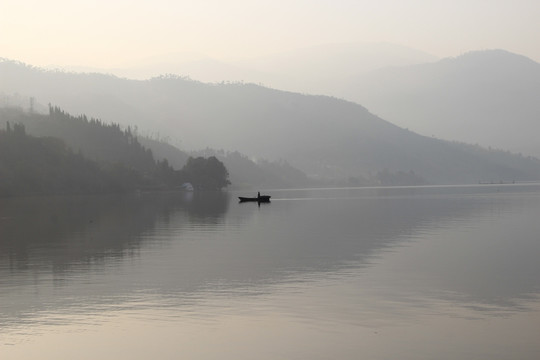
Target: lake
{"x":357,"y":273}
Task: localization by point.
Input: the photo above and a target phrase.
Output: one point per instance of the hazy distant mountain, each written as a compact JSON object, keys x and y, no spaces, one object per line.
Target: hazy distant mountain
{"x":313,"y":70}
{"x":486,"y":97}
{"x":322,"y":69}
{"x":322,"y":136}
{"x":203,"y":69}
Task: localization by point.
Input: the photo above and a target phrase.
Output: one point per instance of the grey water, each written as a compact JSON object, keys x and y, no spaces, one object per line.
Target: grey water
{"x":358,"y":273}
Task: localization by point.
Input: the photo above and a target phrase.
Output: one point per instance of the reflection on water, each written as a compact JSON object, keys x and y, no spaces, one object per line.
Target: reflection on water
{"x":332,"y":263}
{"x":64,"y":231}
{"x":58,"y":252}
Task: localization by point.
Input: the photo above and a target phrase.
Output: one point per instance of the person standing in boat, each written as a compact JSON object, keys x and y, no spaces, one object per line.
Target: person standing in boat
{"x":258,"y":195}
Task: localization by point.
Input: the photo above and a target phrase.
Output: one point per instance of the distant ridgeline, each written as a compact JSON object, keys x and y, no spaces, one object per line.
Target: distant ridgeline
{"x":323,"y":141}
{"x":75,"y":155}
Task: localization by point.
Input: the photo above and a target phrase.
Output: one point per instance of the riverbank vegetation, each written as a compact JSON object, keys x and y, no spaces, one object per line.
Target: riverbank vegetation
{"x":95,"y":158}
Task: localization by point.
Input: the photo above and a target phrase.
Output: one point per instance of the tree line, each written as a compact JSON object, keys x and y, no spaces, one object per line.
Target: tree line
{"x":77,"y":155}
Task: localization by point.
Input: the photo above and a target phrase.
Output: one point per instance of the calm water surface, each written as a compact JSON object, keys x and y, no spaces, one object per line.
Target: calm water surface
{"x":380,"y":273}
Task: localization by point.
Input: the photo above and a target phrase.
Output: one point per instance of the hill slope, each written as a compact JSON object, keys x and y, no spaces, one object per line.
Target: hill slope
{"x":325,"y":137}
{"x":36,"y":166}
{"x":108,"y":143}
{"x":486,"y":97}
{"x":78,"y":155}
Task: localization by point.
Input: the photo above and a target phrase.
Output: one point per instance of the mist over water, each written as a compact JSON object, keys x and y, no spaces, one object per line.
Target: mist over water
{"x":414,"y":273}
{"x":362,"y":121}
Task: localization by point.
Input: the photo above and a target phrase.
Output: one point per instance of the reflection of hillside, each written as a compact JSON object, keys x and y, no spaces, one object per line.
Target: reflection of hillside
{"x":352,"y":230}
{"x":207,"y":206}
{"x":303,"y":233}
{"x":188,"y":243}
{"x":62,"y":231}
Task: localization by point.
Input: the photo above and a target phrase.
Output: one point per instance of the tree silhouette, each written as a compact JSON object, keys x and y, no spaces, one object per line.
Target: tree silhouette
{"x":206,"y":174}
{"x":77,"y":155}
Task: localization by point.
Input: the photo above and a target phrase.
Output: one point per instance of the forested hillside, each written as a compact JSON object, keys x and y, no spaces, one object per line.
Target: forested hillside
{"x":326,"y":138}
{"x":110,"y":143}
{"x":80,"y":155}
{"x":35,"y":166}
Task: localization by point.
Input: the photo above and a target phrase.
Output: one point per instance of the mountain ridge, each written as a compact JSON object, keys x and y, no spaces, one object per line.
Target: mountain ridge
{"x":325,"y":137}
{"x":486,"y":97}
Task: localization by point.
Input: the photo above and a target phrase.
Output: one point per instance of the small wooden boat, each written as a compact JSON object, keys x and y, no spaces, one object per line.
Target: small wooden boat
{"x":260,"y":199}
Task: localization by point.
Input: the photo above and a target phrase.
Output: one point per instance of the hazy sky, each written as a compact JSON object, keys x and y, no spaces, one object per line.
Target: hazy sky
{"x":112,"y":33}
